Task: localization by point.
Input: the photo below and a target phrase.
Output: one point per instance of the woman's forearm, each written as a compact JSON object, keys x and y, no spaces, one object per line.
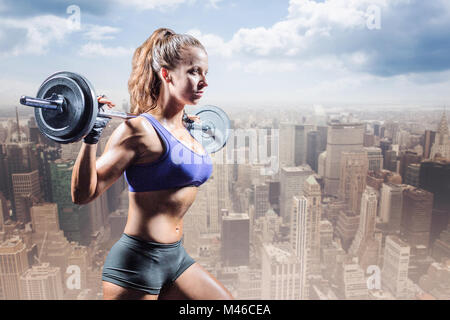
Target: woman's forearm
{"x":84,"y":174}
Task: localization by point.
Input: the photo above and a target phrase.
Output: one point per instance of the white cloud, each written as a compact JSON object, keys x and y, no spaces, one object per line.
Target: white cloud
{"x":40,"y":33}
{"x":92,"y":49}
{"x":97,"y":33}
{"x":214,"y":3}
{"x":153,"y":4}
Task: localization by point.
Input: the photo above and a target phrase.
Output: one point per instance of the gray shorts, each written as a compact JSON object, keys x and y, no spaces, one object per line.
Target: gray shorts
{"x":145,"y":265}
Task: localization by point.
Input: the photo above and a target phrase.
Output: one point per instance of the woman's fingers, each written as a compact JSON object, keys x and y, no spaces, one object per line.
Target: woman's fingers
{"x":194,"y":118}
{"x":105,"y":101}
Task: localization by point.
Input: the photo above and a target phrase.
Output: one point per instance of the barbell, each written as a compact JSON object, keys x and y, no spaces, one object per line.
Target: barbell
{"x":66,"y":107}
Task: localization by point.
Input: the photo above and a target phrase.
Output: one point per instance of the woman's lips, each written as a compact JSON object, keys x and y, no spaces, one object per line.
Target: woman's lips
{"x":198,"y":93}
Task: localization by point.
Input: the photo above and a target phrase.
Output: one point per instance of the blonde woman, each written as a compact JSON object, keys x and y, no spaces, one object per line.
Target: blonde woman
{"x":149,"y":261}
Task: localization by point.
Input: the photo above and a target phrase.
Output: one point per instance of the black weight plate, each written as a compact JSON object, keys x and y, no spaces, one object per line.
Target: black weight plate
{"x":89,"y":109}
{"x":52,"y":122}
{"x":213,"y":130}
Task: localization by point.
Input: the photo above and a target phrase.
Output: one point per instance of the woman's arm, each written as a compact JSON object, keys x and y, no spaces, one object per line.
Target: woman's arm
{"x":91,"y":176}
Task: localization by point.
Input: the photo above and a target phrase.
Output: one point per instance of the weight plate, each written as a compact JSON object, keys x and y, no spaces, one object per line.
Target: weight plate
{"x":79,"y":114}
{"x":55,"y":123}
{"x":213,"y":130}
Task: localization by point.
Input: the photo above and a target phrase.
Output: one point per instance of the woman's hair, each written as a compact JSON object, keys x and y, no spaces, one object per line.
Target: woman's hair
{"x":161,"y":49}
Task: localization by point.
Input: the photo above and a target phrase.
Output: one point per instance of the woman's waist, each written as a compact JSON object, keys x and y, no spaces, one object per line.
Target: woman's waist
{"x":161,"y":227}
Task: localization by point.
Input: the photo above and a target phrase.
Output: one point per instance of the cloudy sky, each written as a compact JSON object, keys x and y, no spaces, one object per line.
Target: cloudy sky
{"x":261,"y":52}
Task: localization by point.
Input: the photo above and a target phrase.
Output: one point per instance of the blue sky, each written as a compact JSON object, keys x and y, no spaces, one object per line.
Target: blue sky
{"x":261,"y":52}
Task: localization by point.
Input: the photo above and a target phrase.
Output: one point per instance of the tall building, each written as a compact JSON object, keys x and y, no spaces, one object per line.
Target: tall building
{"x":391,"y":204}
{"x":346,"y":227}
{"x":407,"y":158}
{"x":416,"y":216}
{"x":441,"y":247}
{"x":18,"y":158}
{"x":305,"y":232}
{"x":342,"y":137}
{"x":292,"y":181}
{"x":435,"y":178}
{"x":412,"y":174}
{"x":313,"y":149}
{"x":428,"y":141}
{"x":73,"y":219}
{"x":301,"y":134}
{"x":280,"y":272}
{"x":441,"y":144}
{"x":13,"y":263}
{"x":323,"y":133}
{"x":53,"y":247}
{"x":354,"y":165}
{"x":26,"y":190}
{"x":394,"y":275}
{"x":366,"y":244}
{"x":287,"y":148}
{"x":375,"y":158}
{"x":352,"y":284}
{"x":261,"y":199}
{"x":46,"y":156}
{"x":235,"y":239}
{"x":42,"y":282}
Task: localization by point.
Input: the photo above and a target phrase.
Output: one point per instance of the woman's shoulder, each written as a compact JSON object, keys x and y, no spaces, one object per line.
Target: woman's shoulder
{"x":141,"y":134}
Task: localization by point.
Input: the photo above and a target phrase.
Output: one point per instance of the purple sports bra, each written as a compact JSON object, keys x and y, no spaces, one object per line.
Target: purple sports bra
{"x":178,"y":167}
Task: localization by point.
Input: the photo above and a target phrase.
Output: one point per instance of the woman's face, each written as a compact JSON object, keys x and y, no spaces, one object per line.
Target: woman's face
{"x":188,"y":79}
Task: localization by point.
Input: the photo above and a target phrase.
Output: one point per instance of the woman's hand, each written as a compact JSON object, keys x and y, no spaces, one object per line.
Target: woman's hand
{"x":102,"y":100}
{"x":193,"y":117}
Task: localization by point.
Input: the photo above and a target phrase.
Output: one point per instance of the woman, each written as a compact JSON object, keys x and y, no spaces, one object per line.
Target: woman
{"x":149,"y":262}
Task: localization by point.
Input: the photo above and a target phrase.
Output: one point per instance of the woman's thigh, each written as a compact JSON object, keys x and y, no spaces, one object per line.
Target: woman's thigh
{"x":196,"y":284}
{"x":112,"y":291}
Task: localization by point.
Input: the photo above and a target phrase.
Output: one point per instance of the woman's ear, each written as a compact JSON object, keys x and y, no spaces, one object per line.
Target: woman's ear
{"x":165,"y":74}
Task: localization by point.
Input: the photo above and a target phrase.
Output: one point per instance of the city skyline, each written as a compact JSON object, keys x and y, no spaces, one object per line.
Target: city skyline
{"x":372,"y":235}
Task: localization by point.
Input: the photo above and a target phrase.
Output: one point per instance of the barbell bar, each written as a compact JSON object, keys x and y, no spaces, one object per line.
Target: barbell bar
{"x":66,"y":107}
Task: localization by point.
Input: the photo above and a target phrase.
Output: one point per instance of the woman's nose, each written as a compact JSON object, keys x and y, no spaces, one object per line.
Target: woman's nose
{"x":204,"y":83}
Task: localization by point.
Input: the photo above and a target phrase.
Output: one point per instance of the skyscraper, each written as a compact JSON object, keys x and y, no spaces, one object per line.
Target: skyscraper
{"x":301,"y":133}
{"x":442,"y":140}
{"x":375,"y":158}
{"x":346,"y":227}
{"x":73,"y":219}
{"x":287,"y":148}
{"x":42,"y":282}
{"x":416,"y":216}
{"x":292,"y":181}
{"x":391,"y":203}
{"x":13,"y":263}
{"x":428,"y":141}
{"x":407,"y":158}
{"x":280,"y":272}
{"x":353,"y":173}
{"x":366,"y":244}
{"x":342,"y":137}
{"x":394,"y":275}
{"x":435,"y":178}
{"x":313,"y":149}
{"x":18,"y":158}
{"x":235,"y":239}
{"x":412,"y":174}
{"x":26,"y":190}
{"x":305,"y":232}
{"x":261,"y":199}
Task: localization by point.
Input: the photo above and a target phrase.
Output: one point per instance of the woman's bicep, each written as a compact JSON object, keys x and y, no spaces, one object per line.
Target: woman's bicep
{"x":120,"y":151}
